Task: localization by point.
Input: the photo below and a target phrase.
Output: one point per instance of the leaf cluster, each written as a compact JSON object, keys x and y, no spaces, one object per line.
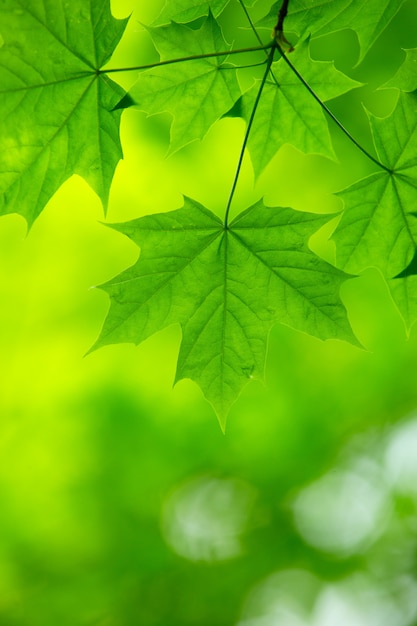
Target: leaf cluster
{"x":225,"y":282}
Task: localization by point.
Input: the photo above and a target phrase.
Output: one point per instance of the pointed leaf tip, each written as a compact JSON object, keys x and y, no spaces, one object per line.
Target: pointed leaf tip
{"x":226,"y":289}
{"x":196,"y":94}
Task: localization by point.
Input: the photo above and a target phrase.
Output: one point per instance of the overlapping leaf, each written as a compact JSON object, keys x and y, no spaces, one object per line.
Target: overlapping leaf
{"x":367,"y":18}
{"x":196,"y":93}
{"x":183,"y":11}
{"x":404,"y":286}
{"x":406,"y":77}
{"x":379,"y":225}
{"x":56,"y":115}
{"x":226,"y":288}
{"x":288,"y":113}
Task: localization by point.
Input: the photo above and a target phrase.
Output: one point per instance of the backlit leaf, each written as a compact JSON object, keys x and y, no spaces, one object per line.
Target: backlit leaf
{"x":288,"y":113}
{"x":226,"y":288}
{"x":196,"y":93}
{"x":379,"y":225}
{"x":367,"y":18}
{"x":406,"y":77}
{"x":182,"y":11}
{"x":56,"y":115}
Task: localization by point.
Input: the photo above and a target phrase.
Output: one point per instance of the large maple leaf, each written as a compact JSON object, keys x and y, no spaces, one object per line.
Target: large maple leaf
{"x":56,"y":108}
{"x":226,"y":287}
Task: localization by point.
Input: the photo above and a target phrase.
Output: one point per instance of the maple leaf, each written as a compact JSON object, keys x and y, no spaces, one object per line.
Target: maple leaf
{"x":226,"y":288}
{"x":403,"y":286}
{"x":197,"y":93}
{"x":56,"y":116}
{"x":406,"y":77}
{"x":287,"y":112}
{"x":368,"y":19}
{"x":182,"y":11}
{"x":379,"y":225}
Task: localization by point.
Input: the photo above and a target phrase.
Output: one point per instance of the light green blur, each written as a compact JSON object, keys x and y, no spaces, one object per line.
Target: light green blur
{"x":121,"y":501}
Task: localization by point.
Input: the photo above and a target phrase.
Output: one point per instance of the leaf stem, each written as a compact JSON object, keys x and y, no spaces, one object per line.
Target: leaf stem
{"x":255,"y":32}
{"x":252,"y":25}
{"x":332,"y":116}
{"x":194,"y":57}
{"x":281,"y":16}
{"x":274,"y":47}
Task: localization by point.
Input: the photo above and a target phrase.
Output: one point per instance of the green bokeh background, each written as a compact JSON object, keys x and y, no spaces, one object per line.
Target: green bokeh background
{"x":121,"y":501}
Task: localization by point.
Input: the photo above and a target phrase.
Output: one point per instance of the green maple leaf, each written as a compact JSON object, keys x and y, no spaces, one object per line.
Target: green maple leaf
{"x":379,"y":225}
{"x":287,"y":112}
{"x":196,"y":93}
{"x":226,"y":288}
{"x":367,"y":18}
{"x":182,"y":11}
{"x":406,"y":77}
{"x":404,"y":286}
{"x":56,"y":115}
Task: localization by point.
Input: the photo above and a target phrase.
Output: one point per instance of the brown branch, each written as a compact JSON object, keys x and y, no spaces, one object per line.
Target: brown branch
{"x":282,"y":15}
{"x":279,"y":28}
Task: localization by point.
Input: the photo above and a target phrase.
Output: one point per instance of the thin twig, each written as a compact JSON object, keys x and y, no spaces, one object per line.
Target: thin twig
{"x":333,"y":117}
{"x":279,"y":28}
{"x":255,"y":32}
{"x":194,"y":57}
{"x":281,"y":16}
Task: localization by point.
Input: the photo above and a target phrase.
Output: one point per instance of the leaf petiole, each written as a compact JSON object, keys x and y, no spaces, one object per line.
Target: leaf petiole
{"x":278,"y":31}
{"x":252,"y":25}
{"x":242,"y":67}
{"x":270,"y":60}
{"x":333,"y":117}
{"x":194,"y":57}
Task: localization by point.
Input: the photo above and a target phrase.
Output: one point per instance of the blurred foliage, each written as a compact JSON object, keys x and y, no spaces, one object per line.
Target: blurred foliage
{"x":122,"y":503}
